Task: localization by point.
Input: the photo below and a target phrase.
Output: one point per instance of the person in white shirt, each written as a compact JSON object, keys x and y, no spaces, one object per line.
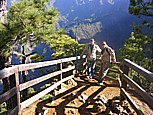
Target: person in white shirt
{"x":91,"y":50}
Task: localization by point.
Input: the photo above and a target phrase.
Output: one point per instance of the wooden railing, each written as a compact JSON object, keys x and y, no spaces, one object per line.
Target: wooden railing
{"x":125,"y":80}
{"x":123,"y":72}
{"x":5,"y":73}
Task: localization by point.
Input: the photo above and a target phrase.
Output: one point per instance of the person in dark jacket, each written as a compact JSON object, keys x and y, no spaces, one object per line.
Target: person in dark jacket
{"x":107,"y":57}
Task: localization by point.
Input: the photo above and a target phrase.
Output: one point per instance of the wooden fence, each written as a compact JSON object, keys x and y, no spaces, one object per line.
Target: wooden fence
{"x":125,"y":80}
{"x":5,"y":73}
{"x":123,"y":72}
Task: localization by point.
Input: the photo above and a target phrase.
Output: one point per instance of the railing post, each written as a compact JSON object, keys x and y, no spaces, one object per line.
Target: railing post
{"x":13,"y":99}
{"x":59,"y":68}
{"x":61,"y":74}
{"x":86,"y":67}
{"x":18,"y":92}
{"x":125,"y":70}
{"x":76,"y":68}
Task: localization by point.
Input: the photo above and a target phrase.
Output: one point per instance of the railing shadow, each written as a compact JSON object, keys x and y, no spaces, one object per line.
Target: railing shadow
{"x":83,"y":107}
{"x":68,"y":97}
{"x":42,"y":104}
{"x":60,"y":109}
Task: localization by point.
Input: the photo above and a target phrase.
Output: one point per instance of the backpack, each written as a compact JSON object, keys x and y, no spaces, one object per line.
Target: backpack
{"x":106,"y":50}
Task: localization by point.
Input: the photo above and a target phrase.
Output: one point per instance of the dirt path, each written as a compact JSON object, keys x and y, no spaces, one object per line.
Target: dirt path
{"x":68,"y":102}
{"x":76,"y":98}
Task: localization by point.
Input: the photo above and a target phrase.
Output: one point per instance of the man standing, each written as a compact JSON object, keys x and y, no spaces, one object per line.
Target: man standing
{"x":107,"y":57}
{"x":91,"y":49}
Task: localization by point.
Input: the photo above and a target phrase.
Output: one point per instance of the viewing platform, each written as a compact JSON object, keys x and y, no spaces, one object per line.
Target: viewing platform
{"x":72,"y":92}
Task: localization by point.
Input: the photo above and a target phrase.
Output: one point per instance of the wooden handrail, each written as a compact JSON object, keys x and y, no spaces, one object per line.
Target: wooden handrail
{"x":145,"y":73}
{"x":126,"y":80}
{"x":8,"y":71}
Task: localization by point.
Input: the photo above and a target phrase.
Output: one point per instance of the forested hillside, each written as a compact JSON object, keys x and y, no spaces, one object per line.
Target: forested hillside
{"x":99,"y":19}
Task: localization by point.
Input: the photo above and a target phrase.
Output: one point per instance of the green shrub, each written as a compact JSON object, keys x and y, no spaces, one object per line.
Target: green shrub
{"x":31,"y":91}
{"x":3,"y":108}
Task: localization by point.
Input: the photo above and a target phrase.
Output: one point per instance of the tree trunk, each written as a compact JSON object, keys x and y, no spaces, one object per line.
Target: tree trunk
{"x":24,"y":75}
{"x":8,"y":83}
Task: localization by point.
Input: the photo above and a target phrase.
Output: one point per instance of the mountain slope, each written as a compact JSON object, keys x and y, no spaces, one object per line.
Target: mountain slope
{"x":99,"y":19}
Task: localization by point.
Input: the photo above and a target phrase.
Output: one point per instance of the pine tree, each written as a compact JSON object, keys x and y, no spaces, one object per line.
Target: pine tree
{"x":65,"y":46}
{"x":28,"y":21}
{"x":143,"y":8}
{"x":139,"y":47}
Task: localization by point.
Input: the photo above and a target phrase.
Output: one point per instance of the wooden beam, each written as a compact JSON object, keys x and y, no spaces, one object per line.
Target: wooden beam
{"x":114,"y":70}
{"x":18,"y":93}
{"x":14,"y":111}
{"x":44,"y":92}
{"x":147,"y":98}
{"x":68,"y":59}
{"x":68,"y":69}
{"x":43,"y":78}
{"x":38,"y":80}
{"x":6,"y":72}
{"x":24,"y":67}
{"x":5,"y":96}
{"x":144,"y":72}
{"x":132,"y":103}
